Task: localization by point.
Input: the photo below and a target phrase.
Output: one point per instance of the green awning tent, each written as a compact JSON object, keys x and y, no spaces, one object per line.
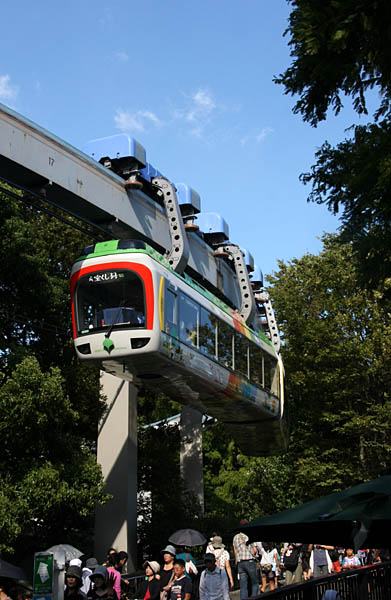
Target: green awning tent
{"x":359,"y":517}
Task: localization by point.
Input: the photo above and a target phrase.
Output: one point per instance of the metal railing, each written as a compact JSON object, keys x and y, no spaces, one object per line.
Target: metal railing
{"x":372,"y":582}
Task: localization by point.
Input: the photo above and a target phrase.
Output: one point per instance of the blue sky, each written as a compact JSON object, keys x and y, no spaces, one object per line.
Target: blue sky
{"x":193,"y":83}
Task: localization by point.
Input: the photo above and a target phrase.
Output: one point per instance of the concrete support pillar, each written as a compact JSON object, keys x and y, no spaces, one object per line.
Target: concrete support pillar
{"x":191,"y":453}
{"x":116,"y":521}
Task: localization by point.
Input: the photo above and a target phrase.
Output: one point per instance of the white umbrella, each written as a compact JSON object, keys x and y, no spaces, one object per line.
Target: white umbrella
{"x":60,"y":550}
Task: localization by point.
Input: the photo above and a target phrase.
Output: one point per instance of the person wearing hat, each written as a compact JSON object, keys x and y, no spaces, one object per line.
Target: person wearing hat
{"x":103,"y":585}
{"x":217,"y":548}
{"x":73,"y":583}
{"x":214,"y":581}
{"x":91,"y":564}
{"x":167,"y":573}
{"x":150,"y":587}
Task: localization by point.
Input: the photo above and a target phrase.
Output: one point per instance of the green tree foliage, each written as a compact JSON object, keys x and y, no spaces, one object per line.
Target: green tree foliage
{"x":341,"y":48}
{"x":338,"y":47}
{"x":49,"y":403}
{"x":338,"y":372}
{"x":239,"y":486}
{"x":50,"y":484}
{"x":356,"y":177}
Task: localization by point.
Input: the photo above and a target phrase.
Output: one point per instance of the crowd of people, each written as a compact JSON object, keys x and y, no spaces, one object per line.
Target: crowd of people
{"x":263,"y":566}
{"x":176,"y":575}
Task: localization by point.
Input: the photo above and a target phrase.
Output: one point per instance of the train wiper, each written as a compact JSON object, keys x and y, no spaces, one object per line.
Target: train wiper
{"x":114,"y":321}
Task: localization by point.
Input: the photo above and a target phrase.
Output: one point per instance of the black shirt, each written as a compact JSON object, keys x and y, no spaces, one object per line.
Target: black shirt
{"x":165,"y":577}
{"x":180,"y":587}
{"x":153,"y":586}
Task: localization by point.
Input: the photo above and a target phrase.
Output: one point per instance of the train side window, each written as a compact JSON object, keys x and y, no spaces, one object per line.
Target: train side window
{"x":188,"y":321}
{"x":170,"y":313}
{"x":224,"y":344}
{"x":241,"y":354}
{"x":256,"y":364}
{"x":270,"y":373}
{"x":207,"y":333}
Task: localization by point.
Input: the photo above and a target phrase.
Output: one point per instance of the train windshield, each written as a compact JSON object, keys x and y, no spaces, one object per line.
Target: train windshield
{"x":109,"y":299}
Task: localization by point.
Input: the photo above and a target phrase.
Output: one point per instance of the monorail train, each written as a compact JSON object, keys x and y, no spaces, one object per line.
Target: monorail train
{"x":139,"y":320}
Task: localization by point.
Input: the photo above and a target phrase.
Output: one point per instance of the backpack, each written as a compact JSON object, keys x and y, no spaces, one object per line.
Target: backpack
{"x":291,"y":558}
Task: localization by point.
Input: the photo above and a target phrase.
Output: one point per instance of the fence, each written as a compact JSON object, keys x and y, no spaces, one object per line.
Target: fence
{"x":372,"y":582}
{"x":365,"y":583}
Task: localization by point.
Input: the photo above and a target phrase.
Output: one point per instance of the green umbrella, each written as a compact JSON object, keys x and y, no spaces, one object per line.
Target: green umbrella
{"x":359,"y":517}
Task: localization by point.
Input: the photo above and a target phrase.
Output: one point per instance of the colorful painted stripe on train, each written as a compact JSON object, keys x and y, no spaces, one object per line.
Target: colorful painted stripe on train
{"x":238,"y":385}
{"x":241,"y":326}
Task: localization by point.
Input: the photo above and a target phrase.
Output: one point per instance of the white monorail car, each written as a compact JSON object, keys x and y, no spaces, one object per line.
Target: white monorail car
{"x":141,"y":321}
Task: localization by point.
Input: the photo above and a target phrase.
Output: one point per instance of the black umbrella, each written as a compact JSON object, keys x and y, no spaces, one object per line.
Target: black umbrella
{"x":187,"y":537}
{"x":358,"y":517}
{"x":10,"y":571}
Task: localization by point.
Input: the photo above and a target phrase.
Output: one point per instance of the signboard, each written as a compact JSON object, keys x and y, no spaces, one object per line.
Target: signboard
{"x":43,"y":574}
{"x":105,"y":277}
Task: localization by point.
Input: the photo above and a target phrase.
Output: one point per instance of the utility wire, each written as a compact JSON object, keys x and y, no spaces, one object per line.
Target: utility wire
{"x":28,"y":200}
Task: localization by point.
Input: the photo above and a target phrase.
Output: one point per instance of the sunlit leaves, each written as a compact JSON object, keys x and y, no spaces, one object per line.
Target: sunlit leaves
{"x":338,"y":369}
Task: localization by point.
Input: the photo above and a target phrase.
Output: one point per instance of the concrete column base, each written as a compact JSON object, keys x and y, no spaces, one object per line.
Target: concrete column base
{"x":116,"y":521}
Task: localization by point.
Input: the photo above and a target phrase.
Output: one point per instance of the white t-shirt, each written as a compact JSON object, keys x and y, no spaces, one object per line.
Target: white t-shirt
{"x":269,"y":558}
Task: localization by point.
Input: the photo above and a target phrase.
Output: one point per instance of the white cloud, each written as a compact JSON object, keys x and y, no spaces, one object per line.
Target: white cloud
{"x":7,"y":91}
{"x":122,"y":57}
{"x":201,"y":107}
{"x":198,"y":111}
{"x":128,"y":121}
{"x":147,"y":114}
{"x":263,"y":134}
{"x":256,"y":137}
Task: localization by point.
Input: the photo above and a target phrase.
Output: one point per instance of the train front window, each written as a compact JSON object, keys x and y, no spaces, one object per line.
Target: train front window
{"x":106,"y":299}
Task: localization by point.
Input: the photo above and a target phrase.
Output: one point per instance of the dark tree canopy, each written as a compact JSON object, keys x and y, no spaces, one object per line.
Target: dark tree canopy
{"x":49,"y":402}
{"x":338,"y":47}
{"x":355,"y":178}
{"x":341,"y":48}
